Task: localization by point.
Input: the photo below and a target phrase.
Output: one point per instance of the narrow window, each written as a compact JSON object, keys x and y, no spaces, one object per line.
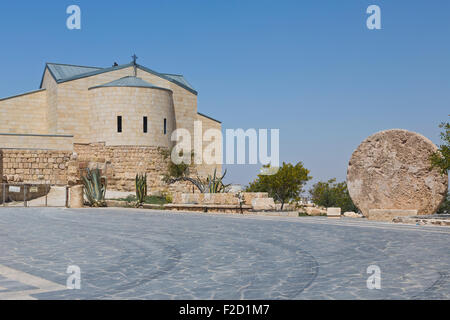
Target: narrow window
{"x":145,"y":125}
{"x":165,"y":126}
{"x":119,"y":124}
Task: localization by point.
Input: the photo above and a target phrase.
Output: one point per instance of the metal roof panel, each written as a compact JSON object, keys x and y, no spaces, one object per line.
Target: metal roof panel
{"x":130,"y":82}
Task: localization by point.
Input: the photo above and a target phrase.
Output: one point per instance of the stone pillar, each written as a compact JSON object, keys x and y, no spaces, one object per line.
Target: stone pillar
{"x":76,"y":197}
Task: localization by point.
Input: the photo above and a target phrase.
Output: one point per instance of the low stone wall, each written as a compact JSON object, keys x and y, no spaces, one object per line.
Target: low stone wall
{"x":205,"y":198}
{"x":249,"y":196}
{"x":217,"y":198}
{"x":216,"y":208}
{"x":433,"y":220}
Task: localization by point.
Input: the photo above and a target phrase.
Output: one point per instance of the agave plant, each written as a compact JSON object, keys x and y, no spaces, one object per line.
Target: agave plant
{"x":95,"y":188}
{"x":214,"y":184}
{"x":141,"y":188}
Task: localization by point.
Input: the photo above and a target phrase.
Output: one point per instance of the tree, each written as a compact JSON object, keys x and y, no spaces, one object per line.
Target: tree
{"x":285,"y":185}
{"x":441,"y":158}
{"x":445,"y":206}
{"x":321,"y":194}
{"x":332,"y":194}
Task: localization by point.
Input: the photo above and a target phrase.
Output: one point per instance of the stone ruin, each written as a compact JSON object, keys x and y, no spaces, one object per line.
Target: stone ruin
{"x":389,"y":175}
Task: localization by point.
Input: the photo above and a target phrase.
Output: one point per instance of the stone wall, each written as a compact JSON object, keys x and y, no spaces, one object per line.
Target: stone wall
{"x":217,"y":198}
{"x":34,"y":141}
{"x":132,"y":104}
{"x":207,"y":124}
{"x":35,"y":166}
{"x":1,"y":176}
{"x":120,"y":164}
{"x":25,"y":113}
{"x":51,"y":87}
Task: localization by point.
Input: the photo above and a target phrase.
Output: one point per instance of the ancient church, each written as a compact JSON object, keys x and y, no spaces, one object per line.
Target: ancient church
{"x":119,"y":118}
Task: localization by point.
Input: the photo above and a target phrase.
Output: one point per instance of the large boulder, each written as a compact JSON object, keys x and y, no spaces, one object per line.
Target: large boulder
{"x":391,"y":170}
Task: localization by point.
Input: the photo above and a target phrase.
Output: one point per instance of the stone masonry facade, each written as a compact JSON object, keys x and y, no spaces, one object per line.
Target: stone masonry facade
{"x":35,"y":166}
{"x":72,"y":122}
{"x":119,"y":164}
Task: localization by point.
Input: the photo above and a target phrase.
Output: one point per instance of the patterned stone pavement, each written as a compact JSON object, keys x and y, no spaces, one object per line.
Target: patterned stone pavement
{"x":141,"y":254}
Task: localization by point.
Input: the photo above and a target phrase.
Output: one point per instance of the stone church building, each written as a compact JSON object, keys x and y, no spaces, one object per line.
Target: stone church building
{"x":118,"y":118}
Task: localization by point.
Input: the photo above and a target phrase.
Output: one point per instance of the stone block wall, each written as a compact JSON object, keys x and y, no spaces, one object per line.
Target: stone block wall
{"x":25,"y":113}
{"x":207,"y":124}
{"x":35,"y":166}
{"x":249,"y":196}
{"x":132,"y":104}
{"x":33,"y":141}
{"x":217,"y":198}
{"x":1,"y":176}
{"x":120,"y":164}
{"x":206,"y":198}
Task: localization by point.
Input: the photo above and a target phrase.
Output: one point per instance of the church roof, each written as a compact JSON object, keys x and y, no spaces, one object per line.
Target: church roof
{"x":179,"y":78}
{"x":65,"y":72}
{"x":129,"y":82}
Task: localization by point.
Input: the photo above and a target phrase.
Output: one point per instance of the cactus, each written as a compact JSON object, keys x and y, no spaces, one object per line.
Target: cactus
{"x":141,"y":188}
{"x":95,"y":188}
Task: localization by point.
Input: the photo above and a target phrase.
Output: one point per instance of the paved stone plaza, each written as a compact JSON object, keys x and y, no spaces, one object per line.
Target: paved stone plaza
{"x":138,"y":254}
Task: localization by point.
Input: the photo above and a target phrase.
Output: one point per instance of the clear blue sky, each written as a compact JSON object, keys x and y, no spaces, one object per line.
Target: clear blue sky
{"x":310,"y":68}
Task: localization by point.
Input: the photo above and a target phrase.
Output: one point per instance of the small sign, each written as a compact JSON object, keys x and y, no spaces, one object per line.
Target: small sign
{"x":33,"y":189}
{"x":14,"y":189}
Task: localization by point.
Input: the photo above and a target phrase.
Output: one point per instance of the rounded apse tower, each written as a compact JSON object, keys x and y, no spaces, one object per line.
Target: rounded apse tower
{"x":132,"y":112}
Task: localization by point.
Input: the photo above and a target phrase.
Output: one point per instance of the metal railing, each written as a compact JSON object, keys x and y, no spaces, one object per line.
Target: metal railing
{"x":33,"y":195}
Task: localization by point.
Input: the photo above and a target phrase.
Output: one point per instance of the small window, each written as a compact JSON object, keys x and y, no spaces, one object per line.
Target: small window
{"x":165,"y":126}
{"x":119,"y":124}
{"x":145,"y":125}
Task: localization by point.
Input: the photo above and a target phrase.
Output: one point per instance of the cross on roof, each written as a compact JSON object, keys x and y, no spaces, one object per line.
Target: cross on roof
{"x":134,"y":56}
